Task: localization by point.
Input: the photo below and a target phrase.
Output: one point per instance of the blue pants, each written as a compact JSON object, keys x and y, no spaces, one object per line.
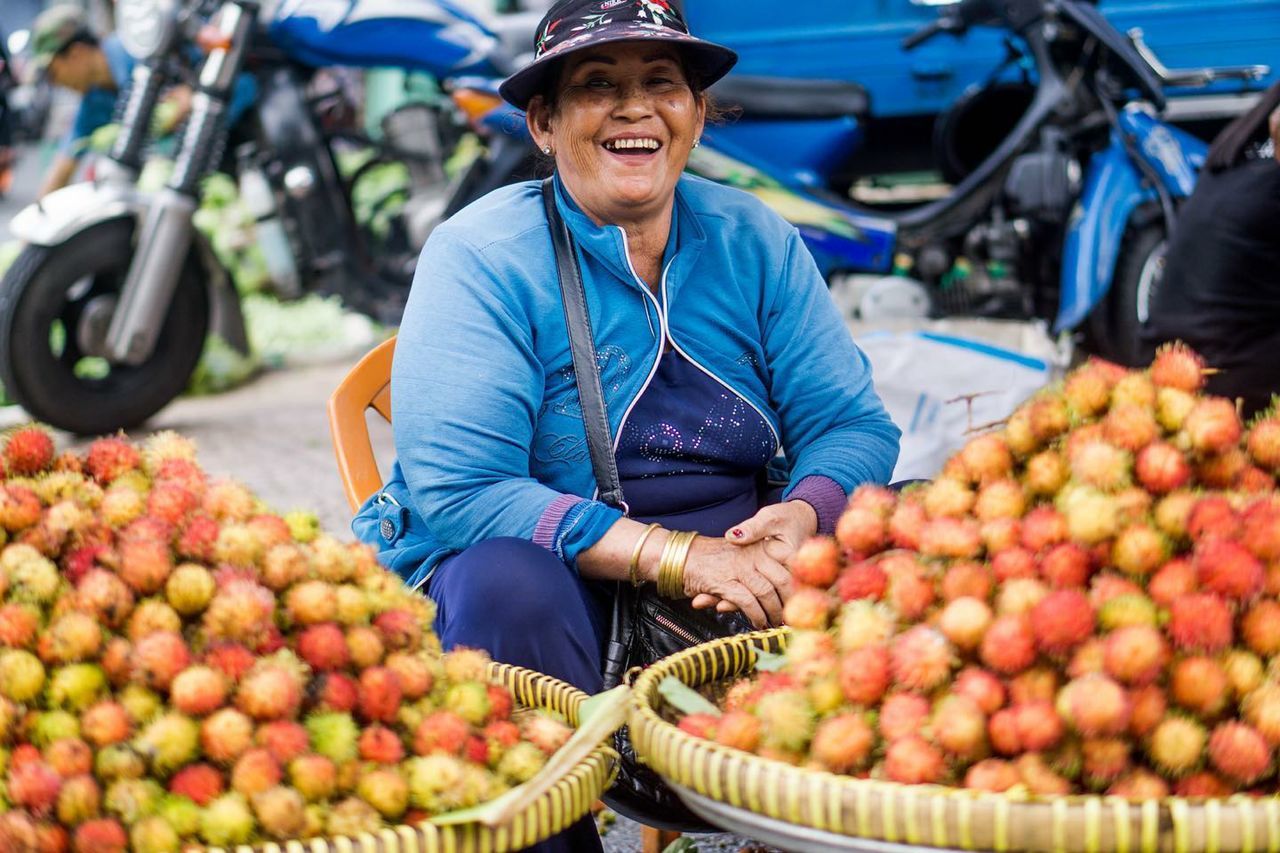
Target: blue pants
{"x":524,"y":606}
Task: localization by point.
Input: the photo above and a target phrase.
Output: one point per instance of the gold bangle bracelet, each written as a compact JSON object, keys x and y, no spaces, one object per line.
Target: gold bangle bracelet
{"x":633,"y":568}
{"x":675,"y":553}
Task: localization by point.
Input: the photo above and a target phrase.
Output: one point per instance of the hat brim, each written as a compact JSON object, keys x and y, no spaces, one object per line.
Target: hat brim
{"x":707,"y":60}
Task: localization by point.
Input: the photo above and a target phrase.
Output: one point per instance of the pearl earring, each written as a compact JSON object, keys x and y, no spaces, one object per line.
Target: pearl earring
{"x":697,"y":142}
{"x":546,"y":149}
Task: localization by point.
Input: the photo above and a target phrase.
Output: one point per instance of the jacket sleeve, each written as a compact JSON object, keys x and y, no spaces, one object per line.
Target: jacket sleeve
{"x":833,"y":422}
{"x":466,"y":389}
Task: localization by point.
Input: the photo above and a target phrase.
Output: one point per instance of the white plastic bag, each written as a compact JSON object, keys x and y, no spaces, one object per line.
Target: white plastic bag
{"x":938,"y":387}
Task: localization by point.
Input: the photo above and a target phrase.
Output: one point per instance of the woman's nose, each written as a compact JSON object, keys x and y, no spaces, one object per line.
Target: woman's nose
{"x":632,"y":98}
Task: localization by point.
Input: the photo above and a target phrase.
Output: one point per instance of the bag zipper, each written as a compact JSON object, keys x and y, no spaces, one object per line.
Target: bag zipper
{"x":675,"y":628}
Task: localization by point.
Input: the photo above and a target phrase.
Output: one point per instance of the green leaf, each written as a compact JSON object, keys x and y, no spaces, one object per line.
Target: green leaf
{"x":684,"y":698}
{"x":684,"y":844}
{"x":767,"y":661}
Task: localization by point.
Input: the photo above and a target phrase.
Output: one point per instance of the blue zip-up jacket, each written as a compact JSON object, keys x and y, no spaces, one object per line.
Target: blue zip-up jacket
{"x":488,"y":430}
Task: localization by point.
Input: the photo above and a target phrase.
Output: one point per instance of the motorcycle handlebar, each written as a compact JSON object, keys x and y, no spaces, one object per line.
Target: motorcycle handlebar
{"x":945,"y":24}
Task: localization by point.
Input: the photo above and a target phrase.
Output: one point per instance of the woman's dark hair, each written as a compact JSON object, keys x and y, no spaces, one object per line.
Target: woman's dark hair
{"x":1229,"y":145}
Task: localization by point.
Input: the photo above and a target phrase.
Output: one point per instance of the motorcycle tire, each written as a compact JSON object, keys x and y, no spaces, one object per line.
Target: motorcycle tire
{"x":44,"y":300}
{"x":1118,"y":324}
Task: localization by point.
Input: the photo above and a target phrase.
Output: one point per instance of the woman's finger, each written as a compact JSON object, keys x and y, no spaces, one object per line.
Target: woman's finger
{"x":763,"y":524}
{"x":704,"y":600}
{"x":747,"y":603}
{"x":776,"y":573}
{"x":764,"y":593}
{"x":726,"y":607}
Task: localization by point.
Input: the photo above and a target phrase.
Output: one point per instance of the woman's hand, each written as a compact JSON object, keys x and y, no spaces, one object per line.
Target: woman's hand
{"x":779,"y":528}
{"x":739,"y":577}
{"x":782,"y":528}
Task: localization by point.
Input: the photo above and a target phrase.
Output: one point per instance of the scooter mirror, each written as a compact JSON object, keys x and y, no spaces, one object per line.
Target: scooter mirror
{"x":18,"y":41}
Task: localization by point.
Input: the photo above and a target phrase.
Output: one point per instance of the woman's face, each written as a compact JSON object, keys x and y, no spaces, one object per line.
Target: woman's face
{"x":621,"y":129}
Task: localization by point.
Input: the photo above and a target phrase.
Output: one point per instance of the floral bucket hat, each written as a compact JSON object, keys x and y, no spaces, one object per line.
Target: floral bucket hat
{"x":573,"y":25}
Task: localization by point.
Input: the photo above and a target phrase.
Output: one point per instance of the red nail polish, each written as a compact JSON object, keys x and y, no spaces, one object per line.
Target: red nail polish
{"x":737,"y":532}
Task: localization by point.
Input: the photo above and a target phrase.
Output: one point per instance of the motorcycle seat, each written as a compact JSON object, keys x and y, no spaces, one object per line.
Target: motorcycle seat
{"x":790,"y":97}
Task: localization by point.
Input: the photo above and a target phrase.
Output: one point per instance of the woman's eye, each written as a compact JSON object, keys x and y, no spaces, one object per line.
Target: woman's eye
{"x":598,"y":83}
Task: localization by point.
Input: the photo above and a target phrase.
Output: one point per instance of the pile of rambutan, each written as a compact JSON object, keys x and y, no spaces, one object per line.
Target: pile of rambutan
{"x":180,"y":666}
{"x":1085,"y":600}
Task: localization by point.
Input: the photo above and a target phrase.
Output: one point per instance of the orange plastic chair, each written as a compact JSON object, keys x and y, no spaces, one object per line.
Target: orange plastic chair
{"x":367,"y":386}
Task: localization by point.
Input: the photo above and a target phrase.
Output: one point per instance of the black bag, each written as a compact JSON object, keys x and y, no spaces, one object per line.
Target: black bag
{"x":644,"y":627}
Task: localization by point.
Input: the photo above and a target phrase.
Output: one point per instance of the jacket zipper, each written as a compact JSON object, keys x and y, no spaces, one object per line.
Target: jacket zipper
{"x":675,"y":628}
{"x":644,"y":288}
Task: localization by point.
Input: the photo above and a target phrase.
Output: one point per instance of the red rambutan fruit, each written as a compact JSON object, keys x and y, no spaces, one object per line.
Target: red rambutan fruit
{"x":269,"y":692}
{"x":1135,"y":654}
{"x":906,"y":525}
{"x":159,"y":657}
{"x":1213,"y":425}
{"x":1013,"y":563}
{"x":862,"y":530}
{"x":1203,"y":784}
{"x":1096,"y":706}
{"x":982,"y":687}
{"x":198,"y":690}
{"x":441,"y":731}
{"x":1239,"y":752}
{"x":1200,"y":621}
{"x":816,"y":562}
{"x":200,"y":783}
{"x":951,"y":537}
{"x":1200,"y":685}
{"x":102,"y":835}
{"x":28,"y":451}
{"x":380,"y":745}
{"x":398,"y":628}
{"x":993,"y":775}
{"x":1043,"y":527}
{"x":967,"y":578}
{"x":1263,"y":443}
{"x":912,"y":760}
{"x":864,"y":675}
{"x":1130,"y":427}
{"x":921,"y":658}
{"x":1177,"y":365}
{"x":986,"y":458}
{"x":1149,"y":707}
{"x":1000,"y":534}
{"x":1226,"y":568}
{"x":842,"y":743}
{"x":1062,"y":620}
{"x":1175,"y":578}
{"x":324,"y":647}
{"x":863,"y":579}
{"x":379,"y":694}
{"x":1260,"y":627}
{"x":902,"y":714}
{"x":1260,"y":529}
{"x":254,"y":772}
{"x":108,"y":458}
{"x":1009,"y":646}
{"x":959,"y":726}
{"x":964,"y":622}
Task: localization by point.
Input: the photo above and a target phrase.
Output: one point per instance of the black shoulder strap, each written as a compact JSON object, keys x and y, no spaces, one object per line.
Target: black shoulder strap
{"x":595,"y":416}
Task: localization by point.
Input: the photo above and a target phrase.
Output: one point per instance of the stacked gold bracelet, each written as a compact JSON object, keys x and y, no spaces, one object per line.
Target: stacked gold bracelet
{"x":633,"y":570}
{"x":675,"y":553}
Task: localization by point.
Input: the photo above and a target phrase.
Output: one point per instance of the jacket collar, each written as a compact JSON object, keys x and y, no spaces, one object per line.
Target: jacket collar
{"x":606,"y":243}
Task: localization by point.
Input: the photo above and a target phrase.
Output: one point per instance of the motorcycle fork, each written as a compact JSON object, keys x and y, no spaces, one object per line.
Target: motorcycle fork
{"x":165,"y":237}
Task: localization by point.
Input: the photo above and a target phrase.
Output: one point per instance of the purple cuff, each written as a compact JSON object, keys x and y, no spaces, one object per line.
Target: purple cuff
{"x":544,"y":533}
{"x":825,"y":496}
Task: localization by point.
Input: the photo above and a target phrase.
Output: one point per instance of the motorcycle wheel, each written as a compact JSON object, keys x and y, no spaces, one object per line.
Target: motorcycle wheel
{"x":55,"y":300}
{"x":1118,"y":324}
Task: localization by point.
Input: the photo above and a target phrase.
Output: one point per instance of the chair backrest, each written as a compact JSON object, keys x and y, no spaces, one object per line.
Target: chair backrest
{"x":367,"y":386}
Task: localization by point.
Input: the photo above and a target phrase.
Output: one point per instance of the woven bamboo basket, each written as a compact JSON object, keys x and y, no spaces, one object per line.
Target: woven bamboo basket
{"x":563,"y":804}
{"x":922,"y":815}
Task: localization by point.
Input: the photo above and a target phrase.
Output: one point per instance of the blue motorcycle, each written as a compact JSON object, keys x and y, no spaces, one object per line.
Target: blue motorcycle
{"x":1063,"y":221}
{"x":104,"y":314}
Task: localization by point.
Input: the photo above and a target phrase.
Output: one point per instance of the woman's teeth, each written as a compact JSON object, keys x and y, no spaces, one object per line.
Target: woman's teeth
{"x":632,"y":144}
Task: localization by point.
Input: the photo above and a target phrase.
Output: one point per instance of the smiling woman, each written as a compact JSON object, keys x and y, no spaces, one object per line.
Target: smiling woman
{"x":716,"y":343}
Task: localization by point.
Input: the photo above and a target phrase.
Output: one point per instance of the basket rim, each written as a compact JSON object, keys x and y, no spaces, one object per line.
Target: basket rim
{"x":593,"y":775}
{"x":648,"y":725}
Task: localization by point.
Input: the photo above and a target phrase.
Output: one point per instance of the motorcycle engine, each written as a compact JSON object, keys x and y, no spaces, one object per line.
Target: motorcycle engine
{"x":1042,"y":184}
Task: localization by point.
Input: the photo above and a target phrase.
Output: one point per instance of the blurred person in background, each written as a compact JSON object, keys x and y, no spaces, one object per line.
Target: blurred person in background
{"x":7,"y":83}
{"x":99,"y":69}
{"x":1220,"y":291}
